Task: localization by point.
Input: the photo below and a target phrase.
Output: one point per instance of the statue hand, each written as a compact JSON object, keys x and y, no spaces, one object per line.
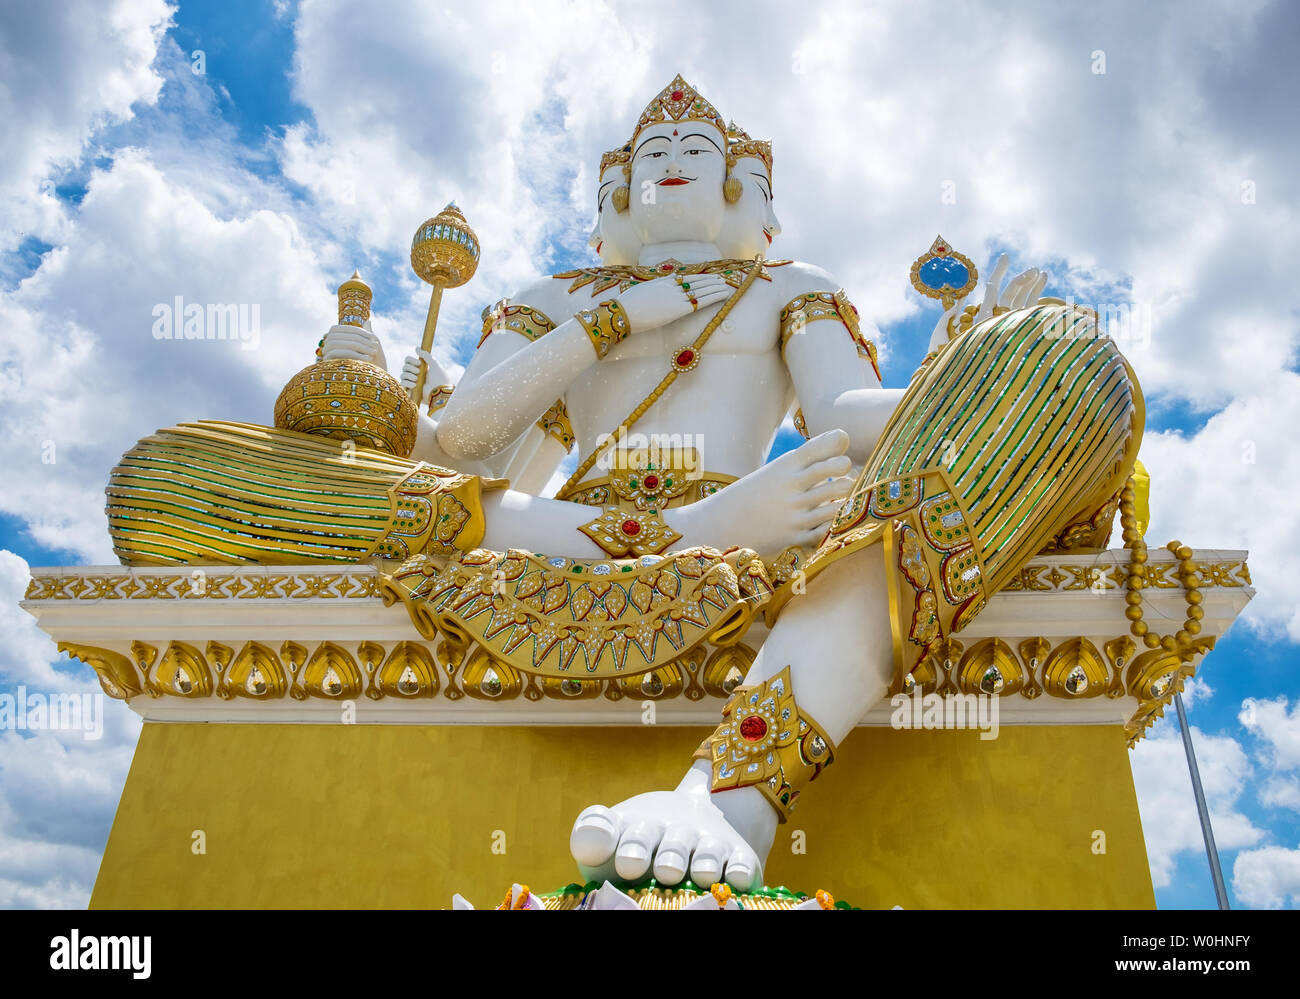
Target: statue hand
{"x":354,"y":343}
{"x":1020,"y":291}
{"x":436,"y":377}
{"x":789,"y":501}
{"x":661,"y":301}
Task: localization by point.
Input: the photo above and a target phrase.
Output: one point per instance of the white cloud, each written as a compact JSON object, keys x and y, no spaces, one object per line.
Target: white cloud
{"x":69,"y":68}
{"x":1267,"y":878}
{"x":1232,"y":485}
{"x":58,"y":789}
{"x":1281,"y":792}
{"x":1278,"y":728}
{"x":1170,"y":823}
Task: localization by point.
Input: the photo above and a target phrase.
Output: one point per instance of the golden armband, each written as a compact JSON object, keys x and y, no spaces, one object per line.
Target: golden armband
{"x":818,"y":305}
{"x":620,"y":532}
{"x":606,"y":324}
{"x":764,"y":741}
{"x":522,"y":319}
{"x":555,"y":421}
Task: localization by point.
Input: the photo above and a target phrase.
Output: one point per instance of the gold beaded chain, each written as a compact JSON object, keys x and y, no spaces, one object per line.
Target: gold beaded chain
{"x":1181,"y":642}
{"x":621,"y":433}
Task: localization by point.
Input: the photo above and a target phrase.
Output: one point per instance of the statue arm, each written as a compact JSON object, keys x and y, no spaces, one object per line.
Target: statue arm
{"x":525,"y":361}
{"x":832,"y":363}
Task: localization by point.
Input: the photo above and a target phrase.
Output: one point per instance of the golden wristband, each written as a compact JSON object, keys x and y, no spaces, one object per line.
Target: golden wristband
{"x":606,"y":325}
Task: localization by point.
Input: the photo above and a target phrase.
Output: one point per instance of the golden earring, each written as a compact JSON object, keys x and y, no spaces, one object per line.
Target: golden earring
{"x":623,"y":194}
{"x":732,"y":188}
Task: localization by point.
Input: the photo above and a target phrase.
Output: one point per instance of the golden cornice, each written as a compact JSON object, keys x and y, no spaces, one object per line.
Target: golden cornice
{"x":343,"y":671}
{"x":363,"y":583}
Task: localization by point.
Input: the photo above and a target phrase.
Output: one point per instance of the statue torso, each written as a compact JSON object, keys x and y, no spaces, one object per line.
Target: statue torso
{"x":728,"y":407}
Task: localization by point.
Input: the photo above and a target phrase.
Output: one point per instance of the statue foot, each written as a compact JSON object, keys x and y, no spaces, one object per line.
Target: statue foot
{"x":675,"y":834}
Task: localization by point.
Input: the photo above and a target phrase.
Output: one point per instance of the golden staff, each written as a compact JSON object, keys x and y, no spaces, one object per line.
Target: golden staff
{"x":444,"y":253}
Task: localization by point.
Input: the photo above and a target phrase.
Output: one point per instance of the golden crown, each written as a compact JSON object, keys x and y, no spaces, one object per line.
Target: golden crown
{"x":621,"y":155}
{"x":678,"y":101}
{"x":739,"y":145}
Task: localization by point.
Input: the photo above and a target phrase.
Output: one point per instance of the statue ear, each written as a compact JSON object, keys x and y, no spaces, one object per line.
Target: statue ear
{"x":732,"y":188}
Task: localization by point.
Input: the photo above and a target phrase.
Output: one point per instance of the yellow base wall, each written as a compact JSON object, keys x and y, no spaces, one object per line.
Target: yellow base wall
{"x":326,"y":816}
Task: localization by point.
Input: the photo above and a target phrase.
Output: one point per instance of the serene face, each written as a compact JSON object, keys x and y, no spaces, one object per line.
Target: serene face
{"x":677,"y":175}
{"x":750,"y":225}
{"x":613,"y":237}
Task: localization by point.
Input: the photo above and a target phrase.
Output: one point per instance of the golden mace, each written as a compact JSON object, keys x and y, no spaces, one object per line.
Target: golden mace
{"x":444,"y":253}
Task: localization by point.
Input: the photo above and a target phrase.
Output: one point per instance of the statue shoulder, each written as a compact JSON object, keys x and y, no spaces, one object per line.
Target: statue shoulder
{"x":533,"y":311}
{"x":798,"y":278}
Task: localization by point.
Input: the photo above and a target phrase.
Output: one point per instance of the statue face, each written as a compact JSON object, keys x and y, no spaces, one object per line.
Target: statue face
{"x":750,"y":225}
{"x":677,"y":183}
{"x":613,"y":237}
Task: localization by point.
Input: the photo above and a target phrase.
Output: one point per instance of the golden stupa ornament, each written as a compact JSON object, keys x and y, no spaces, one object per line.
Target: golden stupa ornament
{"x":943,"y":273}
{"x":444,"y":253}
{"x":346,"y":399}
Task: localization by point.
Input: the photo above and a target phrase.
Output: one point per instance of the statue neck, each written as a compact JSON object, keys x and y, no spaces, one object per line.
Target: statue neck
{"x":687,"y":252}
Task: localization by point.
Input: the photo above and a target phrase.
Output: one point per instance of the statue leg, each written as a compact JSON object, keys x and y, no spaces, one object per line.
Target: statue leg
{"x":836,"y":639}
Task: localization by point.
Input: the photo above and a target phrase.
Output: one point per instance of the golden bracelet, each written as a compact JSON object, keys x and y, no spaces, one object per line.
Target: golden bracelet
{"x":606,"y":324}
{"x":620,"y":532}
{"x":766,"y":742}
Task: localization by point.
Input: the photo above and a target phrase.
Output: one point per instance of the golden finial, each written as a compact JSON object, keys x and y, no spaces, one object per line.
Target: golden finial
{"x":354,"y":301}
{"x":444,"y":253}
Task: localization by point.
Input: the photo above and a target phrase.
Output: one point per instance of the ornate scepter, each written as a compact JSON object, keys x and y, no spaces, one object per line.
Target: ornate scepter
{"x":444,"y":253}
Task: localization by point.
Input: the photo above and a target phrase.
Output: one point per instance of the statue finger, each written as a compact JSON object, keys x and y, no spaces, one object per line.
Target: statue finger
{"x":992,"y":286}
{"x":825,"y":445}
{"x":819,"y":517}
{"x":1012,"y":290}
{"x":1036,"y":292}
{"x":833,"y":491}
{"x":834,"y":467}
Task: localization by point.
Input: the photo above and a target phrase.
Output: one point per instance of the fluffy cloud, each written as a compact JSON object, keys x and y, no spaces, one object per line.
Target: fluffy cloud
{"x":1267,"y":878}
{"x":1168,"y":808}
{"x":1277,"y":728}
{"x":58,"y":789}
{"x":1232,"y":485}
{"x":69,"y":68}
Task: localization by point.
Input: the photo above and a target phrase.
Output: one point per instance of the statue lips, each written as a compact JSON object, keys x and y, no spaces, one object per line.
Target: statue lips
{"x":674,"y":181}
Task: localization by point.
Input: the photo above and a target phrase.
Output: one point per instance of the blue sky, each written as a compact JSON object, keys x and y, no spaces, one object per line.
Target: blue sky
{"x":316,"y":138}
